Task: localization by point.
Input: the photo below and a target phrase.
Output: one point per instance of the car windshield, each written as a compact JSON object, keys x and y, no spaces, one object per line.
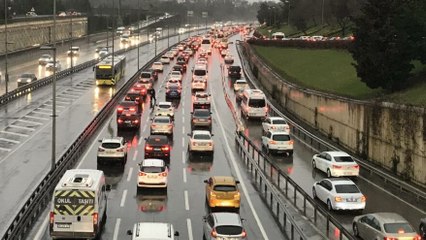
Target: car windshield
{"x":201,"y":113}
{"x":145,"y":75}
{"x":127,"y":104}
{"x":111,"y":145}
{"x":343,"y":159}
{"x":241,"y":82}
{"x":281,"y":137}
{"x":45,"y":56}
{"x":257,"y":103}
{"x":398,"y":228}
{"x":346,"y":188}
{"x":235,"y":68}
{"x":225,"y":188}
{"x":176,"y":73}
{"x":279,"y":121}
{"x":164,"y":106}
{"x":161,"y":120}
{"x":229,"y":230}
{"x":202,"y":136}
{"x":152,"y":169}
{"x":26,"y":75}
{"x":174,"y":87}
{"x":199,"y":72}
{"x":157,"y":64}
{"x":157,"y":140}
{"x":205,"y":41}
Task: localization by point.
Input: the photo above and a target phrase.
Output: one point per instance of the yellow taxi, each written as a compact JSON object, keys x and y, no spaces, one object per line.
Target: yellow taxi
{"x":222,"y":191}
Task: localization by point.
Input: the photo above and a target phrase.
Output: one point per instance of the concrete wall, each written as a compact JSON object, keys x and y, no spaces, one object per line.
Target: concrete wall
{"x":392,"y":136}
{"x":24,"y":35}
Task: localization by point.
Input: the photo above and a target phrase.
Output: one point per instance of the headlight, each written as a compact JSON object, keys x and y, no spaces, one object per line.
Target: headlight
{"x":19,"y":80}
{"x":28,"y":80}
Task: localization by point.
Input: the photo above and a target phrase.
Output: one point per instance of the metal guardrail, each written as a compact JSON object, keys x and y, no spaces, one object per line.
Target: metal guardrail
{"x":320,"y":145}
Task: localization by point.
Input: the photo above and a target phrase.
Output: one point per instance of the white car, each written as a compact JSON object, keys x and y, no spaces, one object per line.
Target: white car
{"x":162,"y":125}
{"x":152,"y":173}
{"x":73,"y":51}
{"x":202,"y":61}
{"x":198,"y":85}
{"x":339,"y":194}
{"x":277,"y":142}
{"x":112,"y":150}
{"x":228,"y":59}
{"x":224,"y":52}
{"x":176,"y":75}
{"x":165,"y":59}
{"x":50,"y":66}
{"x":153,"y":230}
{"x":173,"y":82}
{"x":240,"y":84}
{"x":164,"y":109}
{"x":335,"y":164}
{"x":201,"y":100}
{"x":44,"y":59}
{"x":158,"y":66}
{"x":275,"y":124}
{"x":170,"y":55}
{"x":201,"y":141}
{"x":189,"y":52}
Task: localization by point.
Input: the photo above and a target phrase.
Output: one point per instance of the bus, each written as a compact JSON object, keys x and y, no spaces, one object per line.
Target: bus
{"x":109,"y":73}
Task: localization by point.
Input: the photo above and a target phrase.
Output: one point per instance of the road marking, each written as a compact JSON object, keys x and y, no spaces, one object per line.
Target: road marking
{"x":123,"y":198}
{"x":5,"y":149}
{"x":51,"y":105}
{"x":238,"y":172}
{"x":183,"y":120}
{"x":144,"y":128}
{"x":186,"y":200}
{"x":44,"y":109}
{"x":26,"y":121}
{"x":183,"y":130}
{"x":183,"y":142}
{"x":38,"y":118}
{"x":135,"y":155}
{"x":184,"y":175}
{"x":189,"y":225}
{"x":130,"y":174}
{"x":14,"y":133}
{"x":183,"y":110}
{"x":183,"y":157}
{"x":9,"y":140}
{"x":42,"y":113}
{"x":20,"y":127}
{"x":116,"y":229}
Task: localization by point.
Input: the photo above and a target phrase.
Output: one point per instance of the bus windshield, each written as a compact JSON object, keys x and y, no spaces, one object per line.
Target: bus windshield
{"x":257,"y":103}
{"x":103,"y":73}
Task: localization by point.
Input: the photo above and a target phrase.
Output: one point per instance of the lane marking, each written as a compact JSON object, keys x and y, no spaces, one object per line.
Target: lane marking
{"x":44,"y":109}
{"x":26,"y":121}
{"x":38,"y":118}
{"x":184,"y":175}
{"x":116,"y":229}
{"x":183,"y":130}
{"x":5,"y":149}
{"x":238,"y":172}
{"x":14,"y":133}
{"x":183,"y":142}
{"x":123,"y":198}
{"x":42,"y":113}
{"x":183,"y":120}
{"x":185,"y":193}
{"x":20,"y":127}
{"x":51,"y":105}
{"x":39,"y":233}
{"x":183,"y":110}
{"x":135,"y":155}
{"x":130,"y":174}
{"x":189,"y":225}
{"x":9,"y":140}
{"x":183,"y":157}
{"x":144,"y":128}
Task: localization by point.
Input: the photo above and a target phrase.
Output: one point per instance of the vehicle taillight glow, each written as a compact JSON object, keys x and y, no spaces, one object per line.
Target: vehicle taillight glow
{"x":166,"y":148}
{"x":356,"y":166}
{"x":132,"y":109}
{"x":95,"y":218}
{"x":119,"y":109}
{"x":120,"y":120}
{"x":149,"y":148}
{"x":101,"y":150}
{"x":291,"y":142}
{"x":337,"y":166}
{"x":272,"y":142}
{"x":363,"y":199}
{"x":142,"y":174}
{"x":213,"y":233}
{"x":136,"y":121}
{"x":164,"y":174}
{"x":244,"y":234}
{"x":52,"y":217}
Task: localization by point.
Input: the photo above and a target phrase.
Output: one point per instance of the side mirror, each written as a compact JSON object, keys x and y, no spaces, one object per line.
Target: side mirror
{"x":108,"y":187}
{"x":237,"y":182}
{"x":129,"y":232}
{"x":145,"y":139}
{"x":212,"y":134}
{"x":192,"y":112}
{"x":206,"y":181}
{"x":176,"y":234}
{"x":211,"y":113}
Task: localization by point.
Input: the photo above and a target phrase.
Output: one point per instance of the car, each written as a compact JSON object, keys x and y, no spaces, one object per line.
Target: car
{"x":164,"y":109}
{"x":153,"y":230}
{"x":73,"y":51}
{"x":277,"y":142}
{"x":51,"y":66}
{"x":339,"y":194}
{"x":157,"y":146}
{"x":239,"y":94}
{"x":201,"y":142}
{"x":170,"y":55}
{"x":175,"y":75}
{"x":180,"y":68}
{"x":383,"y":225}
{"x":181,"y":47}
{"x":44,"y":59}
{"x":158,"y":66}
{"x":128,"y":119}
{"x":228,"y":59}
{"x":173,"y":91}
{"x":202,"y":61}
{"x":275,"y":124}
{"x":181,"y":63}
{"x":173,"y":82}
{"x":422,"y":228}
{"x":165,"y":59}
{"x":162,"y":125}
{"x":134,"y":95}
{"x":198,"y":85}
{"x":224,"y":52}
{"x":153,"y":73}
{"x":234,"y":71}
{"x":175,"y":51}
{"x":26,"y":78}
{"x":223,"y":191}
{"x":126,"y":105}
{"x":240,"y":84}
{"x":201,"y":118}
{"x":103,"y":53}
{"x":112,"y":150}
{"x":223,"y":225}
{"x":147,"y":76}
{"x":189,"y":51}
{"x":335,"y":164}
{"x":152,"y":174}
{"x":125,"y":38}
{"x":201,"y":100}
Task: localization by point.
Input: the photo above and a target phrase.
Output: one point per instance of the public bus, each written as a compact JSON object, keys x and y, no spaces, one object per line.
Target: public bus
{"x":109,"y":73}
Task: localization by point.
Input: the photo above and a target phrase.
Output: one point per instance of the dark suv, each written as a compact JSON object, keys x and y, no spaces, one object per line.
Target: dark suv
{"x":173,"y":92}
{"x":201,"y":118}
{"x":234,"y":71}
{"x":128,"y":119}
{"x":130,"y":106}
{"x":157,"y":146}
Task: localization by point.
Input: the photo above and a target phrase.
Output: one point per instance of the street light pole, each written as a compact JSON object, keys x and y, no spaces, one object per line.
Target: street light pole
{"x":6,"y":74}
{"x":113,"y":30}
{"x":322,"y":13}
{"x":138,"y":29}
{"x":168,"y":35}
{"x":72,"y":53}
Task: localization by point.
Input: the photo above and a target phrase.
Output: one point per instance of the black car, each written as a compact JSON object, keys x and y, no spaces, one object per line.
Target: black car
{"x":179,"y":68}
{"x":422,"y":228}
{"x":133,"y":95}
{"x":201,"y":118}
{"x":131,"y":106}
{"x":26,"y":78}
{"x":173,"y":91}
{"x":128,"y":119}
{"x":234,"y":71}
{"x":157,"y":146}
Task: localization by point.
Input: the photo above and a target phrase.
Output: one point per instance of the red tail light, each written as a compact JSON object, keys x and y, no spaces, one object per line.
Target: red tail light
{"x":119,"y":109}
{"x":101,"y":149}
{"x":136,"y":121}
{"x":142,"y":174}
{"x":95,"y":218}
{"x":356,"y":166}
{"x":164,"y":174}
{"x":132,"y":109}
{"x":52,"y":217}
{"x":148,"y":148}
{"x":120,"y":150}
{"x":166,"y":148}
{"x":337,"y":166}
{"x":119,"y":120}
{"x":143,"y":90}
{"x":213,"y":233}
{"x":389,"y":238}
{"x":244,"y":234}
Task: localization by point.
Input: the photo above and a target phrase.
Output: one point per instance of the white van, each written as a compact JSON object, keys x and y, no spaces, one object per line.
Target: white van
{"x":278,"y":36}
{"x":253,"y":104}
{"x":206,"y":45}
{"x":79,"y":205}
{"x":153,"y":230}
{"x":199,"y":72}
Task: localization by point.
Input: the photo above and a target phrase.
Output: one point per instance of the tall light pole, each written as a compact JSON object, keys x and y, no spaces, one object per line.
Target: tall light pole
{"x":72,"y":53}
{"x":138,"y":29}
{"x":6,"y":73}
{"x":113,"y":30}
{"x":322,"y":13}
{"x":168,"y":36}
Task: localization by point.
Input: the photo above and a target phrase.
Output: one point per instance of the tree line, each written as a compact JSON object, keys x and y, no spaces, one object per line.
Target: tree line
{"x":41,"y":7}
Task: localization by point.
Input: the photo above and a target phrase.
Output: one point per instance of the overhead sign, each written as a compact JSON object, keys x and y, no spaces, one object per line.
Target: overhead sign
{"x":190,"y":13}
{"x":204,"y":14}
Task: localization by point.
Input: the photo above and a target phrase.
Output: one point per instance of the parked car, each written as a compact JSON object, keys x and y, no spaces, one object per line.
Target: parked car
{"x":335,"y":164}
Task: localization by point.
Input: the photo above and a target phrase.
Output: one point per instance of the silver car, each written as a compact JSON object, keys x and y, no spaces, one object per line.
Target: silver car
{"x":223,"y":225}
{"x":383,"y":226}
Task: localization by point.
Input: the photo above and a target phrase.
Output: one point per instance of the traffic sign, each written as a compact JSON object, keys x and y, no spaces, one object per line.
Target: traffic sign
{"x":204,"y":14}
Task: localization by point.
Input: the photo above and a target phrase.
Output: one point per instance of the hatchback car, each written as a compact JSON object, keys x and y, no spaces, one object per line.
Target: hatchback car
{"x":179,"y":68}
{"x":112,"y":150}
{"x":165,"y":59}
{"x":201,"y":118}
{"x":339,"y":194}
{"x":240,"y":84}
{"x":152,"y":174}
{"x":162,"y":125}
{"x":158,"y":66}
{"x":383,"y":226}
{"x":44,"y":59}
{"x":173,"y":92}
{"x":157,"y":146}
{"x":134,"y":95}
{"x":277,"y":142}
{"x":164,"y":109}
{"x":153,"y":230}
{"x":223,"y":225}
{"x":201,"y":142}
{"x":128,"y":120}
{"x":26,"y":78}
{"x":201,"y":100}
{"x":275,"y":124}
{"x":335,"y":164}
{"x":228,"y":59}
{"x":222,"y":191}
{"x":131,"y":106}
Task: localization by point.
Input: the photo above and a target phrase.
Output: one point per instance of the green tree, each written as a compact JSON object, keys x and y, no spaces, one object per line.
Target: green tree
{"x":263,"y":15}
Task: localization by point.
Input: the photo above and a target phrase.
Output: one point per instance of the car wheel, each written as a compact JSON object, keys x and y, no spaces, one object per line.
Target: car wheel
{"x":329,"y":206}
{"x":314,"y":165}
{"x":314,"y":193}
{"x":204,"y":237}
{"x":290,"y":153}
{"x":355,"y":229}
{"x":329,"y":173}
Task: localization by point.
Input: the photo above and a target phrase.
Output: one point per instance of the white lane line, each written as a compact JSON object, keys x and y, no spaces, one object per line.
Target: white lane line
{"x":135,"y":155}
{"x":189,"y":225}
{"x":20,"y":127}
{"x":51,"y":105}
{"x":42,"y":113}
{"x":183,"y":157}
{"x":183,"y":130}
{"x":44,"y":109}
{"x":183,"y":120}
{"x":39,"y":233}
{"x":9,"y":140}
{"x":116,"y":229}
{"x":238,"y":172}
{"x":130,"y":174}
{"x":123,"y":198}
{"x":185,"y":193}
{"x":183,"y":142}
{"x":26,"y":121}
{"x":140,"y":140}
{"x":5,"y":149}
{"x":38,"y":118}
{"x":184,"y":175}
{"x":183,"y":110}
{"x":14,"y":133}
{"x":144,"y":128}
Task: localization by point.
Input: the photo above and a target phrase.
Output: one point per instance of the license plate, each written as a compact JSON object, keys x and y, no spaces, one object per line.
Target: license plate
{"x":152,"y":176}
{"x":350,"y":200}
{"x":128,"y":121}
{"x":202,"y":120}
{"x":63,"y":225}
{"x":347,"y":173}
{"x":157,"y":149}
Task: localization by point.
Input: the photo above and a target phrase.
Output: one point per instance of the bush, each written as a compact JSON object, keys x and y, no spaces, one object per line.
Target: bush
{"x":332,"y":44}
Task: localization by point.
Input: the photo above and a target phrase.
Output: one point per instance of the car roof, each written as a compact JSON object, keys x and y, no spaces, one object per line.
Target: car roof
{"x":337,"y":153}
{"x":162,"y":117}
{"x":389,"y":217}
{"x":201,"y":132}
{"x":164,"y":103}
{"x":276,"y":118}
{"x":157,"y":139}
{"x":241,"y":81}
{"x":339,"y":181}
{"x":224,"y":180}
{"x":226,"y":218}
{"x":153,"y":162}
{"x":279,"y":133}
{"x":112,"y":140}
{"x":153,"y":230}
